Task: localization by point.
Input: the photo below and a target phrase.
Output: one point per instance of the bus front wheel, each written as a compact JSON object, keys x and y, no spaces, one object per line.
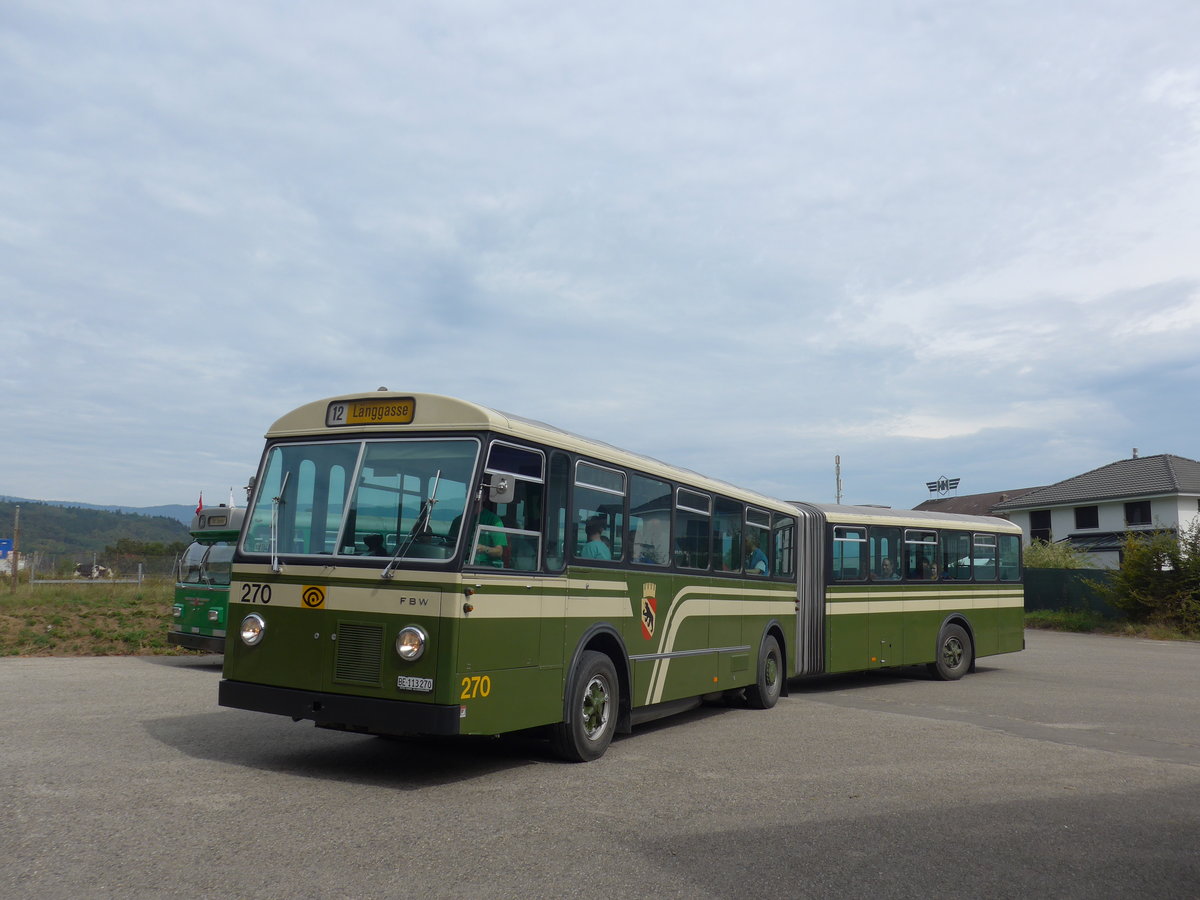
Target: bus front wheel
{"x":955,"y":654}
{"x":766,"y":689}
{"x":592,"y":702}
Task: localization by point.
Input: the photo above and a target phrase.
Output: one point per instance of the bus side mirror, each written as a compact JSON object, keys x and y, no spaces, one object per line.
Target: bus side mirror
{"x":501,"y":488}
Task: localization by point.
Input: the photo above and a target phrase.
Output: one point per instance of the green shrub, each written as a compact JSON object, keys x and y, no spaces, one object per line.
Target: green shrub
{"x":1061,"y":555}
{"x":1159,"y":579}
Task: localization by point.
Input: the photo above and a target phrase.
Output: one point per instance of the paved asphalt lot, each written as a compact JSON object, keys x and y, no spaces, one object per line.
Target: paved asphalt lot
{"x":1069,"y":770}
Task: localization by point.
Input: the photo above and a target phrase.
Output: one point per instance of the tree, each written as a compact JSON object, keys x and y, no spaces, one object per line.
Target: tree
{"x":1062,"y":555}
{"x":1159,"y":578}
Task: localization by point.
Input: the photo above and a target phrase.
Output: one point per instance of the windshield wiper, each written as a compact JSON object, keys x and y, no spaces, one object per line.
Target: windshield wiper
{"x":276,"y":502}
{"x":419,"y":527}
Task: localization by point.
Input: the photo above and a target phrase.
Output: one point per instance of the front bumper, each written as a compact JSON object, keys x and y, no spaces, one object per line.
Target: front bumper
{"x":341,"y":711}
{"x":196,"y":641}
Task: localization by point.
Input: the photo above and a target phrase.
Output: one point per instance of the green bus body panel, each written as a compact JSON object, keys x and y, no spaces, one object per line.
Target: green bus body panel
{"x":874,"y":626}
{"x":500,"y":646}
{"x":196,"y":600}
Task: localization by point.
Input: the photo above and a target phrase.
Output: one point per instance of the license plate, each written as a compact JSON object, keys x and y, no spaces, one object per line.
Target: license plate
{"x":408,"y":683}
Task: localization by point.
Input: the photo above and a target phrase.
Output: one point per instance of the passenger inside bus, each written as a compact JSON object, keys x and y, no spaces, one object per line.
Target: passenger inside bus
{"x":595,"y":546}
{"x":887,"y":570}
{"x":374,"y":545}
{"x":756,"y":560}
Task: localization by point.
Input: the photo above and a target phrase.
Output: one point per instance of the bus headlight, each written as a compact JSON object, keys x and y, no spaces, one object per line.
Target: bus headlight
{"x":253,"y":628}
{"x":177,"y":610}
{"x":214,"y":615}
{"x":410,"y":643}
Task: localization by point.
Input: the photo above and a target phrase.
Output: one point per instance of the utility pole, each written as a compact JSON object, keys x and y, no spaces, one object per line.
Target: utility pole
{"x":837,"y":467}
{"x":16,"y":554}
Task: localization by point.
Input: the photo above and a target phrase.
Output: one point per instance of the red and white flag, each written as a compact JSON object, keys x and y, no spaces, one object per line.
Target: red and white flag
{"x":200,"y":503}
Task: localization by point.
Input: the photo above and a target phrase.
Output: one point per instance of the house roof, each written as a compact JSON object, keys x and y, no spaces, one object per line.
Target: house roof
{"x":972,"y":504}
{"x":1140,"y":476}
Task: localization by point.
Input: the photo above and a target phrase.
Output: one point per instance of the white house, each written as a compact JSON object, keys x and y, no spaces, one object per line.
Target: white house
{"x":1095,"y":510}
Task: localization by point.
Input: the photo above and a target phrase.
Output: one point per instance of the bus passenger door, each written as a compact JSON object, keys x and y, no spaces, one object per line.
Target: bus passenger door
{"x":502,"y":627}
{"x":885,"y":627}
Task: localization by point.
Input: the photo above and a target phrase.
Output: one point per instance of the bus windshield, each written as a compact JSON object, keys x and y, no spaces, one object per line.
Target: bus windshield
{"x":361,"y":498}
{"x":203,"y":563}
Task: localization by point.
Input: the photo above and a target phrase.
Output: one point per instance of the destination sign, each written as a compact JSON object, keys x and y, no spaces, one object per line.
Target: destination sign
{"x":371,"y":411}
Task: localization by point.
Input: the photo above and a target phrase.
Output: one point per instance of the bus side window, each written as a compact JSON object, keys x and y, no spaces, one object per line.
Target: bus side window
{"x":1010,"y":557}
{"x":920,"y":555}
{"x":693,"y":527}
{"x":885,"y":552}
{"x":598,"y":513}
{"x":727,"y":536}
{"x":758,"y":543}
{"x":783,"y":550}
{"x":849,"y":553}
{"x":956,"y":556}
{"x":984,"y":556}
{"x":520,"y":530}
{"x":556,"y":512}
{"x":649,"y":521}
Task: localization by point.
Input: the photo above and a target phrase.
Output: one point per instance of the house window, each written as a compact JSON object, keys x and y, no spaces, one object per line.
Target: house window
{"x":1087,"y":517}
{"x":1039,"y":525}
{"x":1138,"y":513}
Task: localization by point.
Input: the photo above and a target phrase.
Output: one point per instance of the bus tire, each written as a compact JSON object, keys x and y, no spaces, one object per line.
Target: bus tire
{"x":764,"y":693}
{"x":592,"y":704}
{"x":955,"y":654}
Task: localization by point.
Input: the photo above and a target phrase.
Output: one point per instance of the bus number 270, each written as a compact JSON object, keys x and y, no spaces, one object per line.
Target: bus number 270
{"x":475,"y":686}
{"x":256,"y":593}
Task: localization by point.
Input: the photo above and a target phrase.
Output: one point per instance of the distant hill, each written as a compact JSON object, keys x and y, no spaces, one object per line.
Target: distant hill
{"x":81,"y":530}
{"x":180,"y":511}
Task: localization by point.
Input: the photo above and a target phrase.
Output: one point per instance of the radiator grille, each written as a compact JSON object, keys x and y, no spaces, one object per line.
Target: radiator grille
{"x":359,"y":653}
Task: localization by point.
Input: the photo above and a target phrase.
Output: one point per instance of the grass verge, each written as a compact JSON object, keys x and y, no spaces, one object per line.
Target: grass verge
{"x":92,"y":619}
{"x":1089,"y":622}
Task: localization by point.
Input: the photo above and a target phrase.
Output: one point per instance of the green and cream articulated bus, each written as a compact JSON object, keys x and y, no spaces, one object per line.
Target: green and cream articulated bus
{"x":416,"y":564}
{"x":202,"y":580}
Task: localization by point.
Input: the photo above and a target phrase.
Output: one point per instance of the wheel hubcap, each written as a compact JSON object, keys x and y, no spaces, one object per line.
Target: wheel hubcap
{"x":952,"y":652}
{"x":771,"y":670}
{"x":595,"y":706}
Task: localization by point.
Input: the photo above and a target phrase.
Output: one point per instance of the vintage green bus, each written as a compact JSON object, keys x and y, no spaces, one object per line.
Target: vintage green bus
{"x":418,"y":564}
{"x":202,"y":580}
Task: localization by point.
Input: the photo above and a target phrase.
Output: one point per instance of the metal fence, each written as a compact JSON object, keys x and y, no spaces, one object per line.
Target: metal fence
{"x":49,"y":568}
{"x":1070,"y":589}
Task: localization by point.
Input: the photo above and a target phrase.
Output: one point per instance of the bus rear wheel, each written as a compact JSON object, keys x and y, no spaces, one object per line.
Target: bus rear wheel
{"x":765,"y":691}
{"x":592,"y":702}
{"x":955,"y":654}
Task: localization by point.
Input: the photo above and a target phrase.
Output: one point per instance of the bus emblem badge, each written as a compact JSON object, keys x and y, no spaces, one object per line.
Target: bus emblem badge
{"x":649,"y":608}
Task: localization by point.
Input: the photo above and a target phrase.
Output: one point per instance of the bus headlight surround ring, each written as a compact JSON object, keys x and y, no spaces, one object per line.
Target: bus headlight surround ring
{"x":410,"y":643}
{"x":253,"y":629}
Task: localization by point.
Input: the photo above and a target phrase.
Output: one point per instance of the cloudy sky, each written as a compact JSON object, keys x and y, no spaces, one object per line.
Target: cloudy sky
{"x":934,"y":237}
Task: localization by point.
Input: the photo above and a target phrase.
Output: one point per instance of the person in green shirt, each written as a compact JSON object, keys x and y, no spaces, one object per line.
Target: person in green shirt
{"x":489,"y":550}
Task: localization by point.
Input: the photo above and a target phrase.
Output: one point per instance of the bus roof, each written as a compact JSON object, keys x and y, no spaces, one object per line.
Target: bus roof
{"x":879,"y":515}
{"x":432,"y":412}
{"x":215,"y":521}
{"x":441,"y":413}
